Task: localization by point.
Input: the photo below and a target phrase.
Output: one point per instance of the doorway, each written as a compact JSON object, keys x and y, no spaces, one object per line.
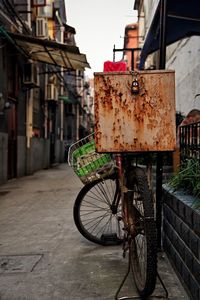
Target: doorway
{"x":12,"y":141}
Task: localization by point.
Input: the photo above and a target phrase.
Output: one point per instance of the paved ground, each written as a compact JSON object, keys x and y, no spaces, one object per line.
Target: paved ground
{"x":43,"y":256}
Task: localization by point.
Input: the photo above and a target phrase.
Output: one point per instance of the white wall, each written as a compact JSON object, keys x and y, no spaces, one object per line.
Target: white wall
{"x":184,"y":58}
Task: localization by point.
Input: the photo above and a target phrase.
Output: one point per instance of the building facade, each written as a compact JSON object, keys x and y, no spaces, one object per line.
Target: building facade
{"x":41,"y":105}
{"x":181,"y":56}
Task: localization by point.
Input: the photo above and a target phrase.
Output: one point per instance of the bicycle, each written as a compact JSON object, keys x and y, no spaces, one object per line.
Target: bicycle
{"x":134,"y":114}
{"x":115,"y":206}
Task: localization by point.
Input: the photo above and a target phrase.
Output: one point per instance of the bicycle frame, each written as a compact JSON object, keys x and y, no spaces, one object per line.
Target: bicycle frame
{"x":119,"y":209}
{"x":128,"y":214}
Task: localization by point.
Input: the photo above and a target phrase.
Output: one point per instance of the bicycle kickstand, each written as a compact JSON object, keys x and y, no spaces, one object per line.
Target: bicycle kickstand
{"x":123,"y":281}
{"x":137,"y":297}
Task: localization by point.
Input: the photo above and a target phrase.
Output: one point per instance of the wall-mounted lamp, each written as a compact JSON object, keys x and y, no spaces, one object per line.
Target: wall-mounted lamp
{"x":1,"y":104}
{"x":7,"y":105}
{"x":4,"y":105}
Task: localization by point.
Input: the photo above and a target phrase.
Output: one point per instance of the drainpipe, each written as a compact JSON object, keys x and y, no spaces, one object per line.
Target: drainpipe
{"x":29,"y":102}
{"x":62,"y":84}
{"x":46,"y":129}
{"x":29,"y":131}
{"x":62,"y":92}
{"x":77,"y":121}
{"x":29,"y":118}
{"x":29,"y":14}
{"x":159,"y":166}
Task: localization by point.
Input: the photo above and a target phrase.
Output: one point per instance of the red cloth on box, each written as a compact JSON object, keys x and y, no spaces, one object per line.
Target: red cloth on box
{"x":110,"y":66}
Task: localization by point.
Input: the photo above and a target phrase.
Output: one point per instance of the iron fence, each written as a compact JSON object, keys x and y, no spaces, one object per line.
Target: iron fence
{"x":190,"y":141}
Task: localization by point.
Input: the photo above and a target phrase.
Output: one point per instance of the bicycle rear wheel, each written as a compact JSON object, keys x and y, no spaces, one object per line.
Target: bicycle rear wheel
{"x":97,"y":212}
{"x":143,"y":248}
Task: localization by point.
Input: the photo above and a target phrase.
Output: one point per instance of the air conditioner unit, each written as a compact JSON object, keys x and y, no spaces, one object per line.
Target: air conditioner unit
{"x":56,"y":4}
{"x":30,"y":74}
{"x":41,"y":28}
{"x":51,"y":92}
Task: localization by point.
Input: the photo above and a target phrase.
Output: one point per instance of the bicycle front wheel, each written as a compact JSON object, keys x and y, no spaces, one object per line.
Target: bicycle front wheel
{"x":143,"y":248}
{"x":97,"y":212}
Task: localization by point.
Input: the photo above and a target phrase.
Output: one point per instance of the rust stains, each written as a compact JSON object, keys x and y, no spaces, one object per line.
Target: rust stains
{"x":130,"y":122}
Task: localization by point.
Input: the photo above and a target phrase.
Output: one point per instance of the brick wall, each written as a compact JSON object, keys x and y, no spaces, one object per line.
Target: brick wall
{"x":181,"y":238}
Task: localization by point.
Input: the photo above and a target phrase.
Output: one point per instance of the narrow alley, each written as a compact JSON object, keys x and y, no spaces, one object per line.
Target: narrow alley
{"x":43,"y":256}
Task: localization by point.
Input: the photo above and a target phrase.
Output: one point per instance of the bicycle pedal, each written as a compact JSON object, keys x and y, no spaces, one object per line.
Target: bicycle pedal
{"x":110,"y":239}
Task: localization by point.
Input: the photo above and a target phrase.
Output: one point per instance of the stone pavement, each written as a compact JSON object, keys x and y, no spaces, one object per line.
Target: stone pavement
{"x":43,"y":256}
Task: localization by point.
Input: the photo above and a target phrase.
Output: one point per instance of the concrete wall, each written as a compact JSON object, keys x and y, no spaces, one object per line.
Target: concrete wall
{"x":29,"y":160}
{"x":21,"y":156}
{"x":181,"y":238}
{"x":38,"y":155}
{"x":3,"y":157}
{"x":59,"y":152}
{"x":46,"y":154}
{"x":62,"y":152}
{"x":184,"y":59}
{"x":149,"y":10}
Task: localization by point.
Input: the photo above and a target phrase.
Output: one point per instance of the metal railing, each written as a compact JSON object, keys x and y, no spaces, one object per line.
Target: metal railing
{"x":190,"y":141}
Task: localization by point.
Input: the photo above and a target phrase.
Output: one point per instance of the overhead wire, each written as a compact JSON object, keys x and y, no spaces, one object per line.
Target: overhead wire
{"x":14,"y":14}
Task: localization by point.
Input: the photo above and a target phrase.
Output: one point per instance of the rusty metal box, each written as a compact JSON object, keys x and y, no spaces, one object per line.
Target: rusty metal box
{"x":126,"y":121}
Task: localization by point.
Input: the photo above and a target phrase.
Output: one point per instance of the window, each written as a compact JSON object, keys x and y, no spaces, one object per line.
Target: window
{"x":38,"y":3}
{"x":47,"y":10}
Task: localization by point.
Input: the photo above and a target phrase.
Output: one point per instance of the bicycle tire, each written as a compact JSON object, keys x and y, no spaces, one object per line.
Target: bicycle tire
{"x":94,"y":215}
{"x":143,"y":246}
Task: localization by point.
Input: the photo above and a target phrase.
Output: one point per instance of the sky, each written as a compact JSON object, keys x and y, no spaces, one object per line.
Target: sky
{"x":99,"y":25}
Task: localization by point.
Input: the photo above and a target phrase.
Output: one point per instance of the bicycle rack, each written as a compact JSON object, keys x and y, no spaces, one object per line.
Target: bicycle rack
{"x":138,"y":297}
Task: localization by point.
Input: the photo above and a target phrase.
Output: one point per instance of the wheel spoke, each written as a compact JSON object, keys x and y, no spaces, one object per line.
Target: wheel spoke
{"x":97,"y":197}
{"x":94,"y":215}
{"x":104,"y":227}
{"x":105,"y":193}
{"x":94,"y":226}
{"x":94,"y":205}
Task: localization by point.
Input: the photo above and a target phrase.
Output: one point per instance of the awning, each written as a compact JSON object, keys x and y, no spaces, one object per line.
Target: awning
{"x":183,"y":20}
{"x":46,"y":51}
{"x":68,"y":100}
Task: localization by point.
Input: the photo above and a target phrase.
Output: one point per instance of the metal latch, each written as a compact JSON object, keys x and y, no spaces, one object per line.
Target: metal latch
{"x":135,"y":84}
